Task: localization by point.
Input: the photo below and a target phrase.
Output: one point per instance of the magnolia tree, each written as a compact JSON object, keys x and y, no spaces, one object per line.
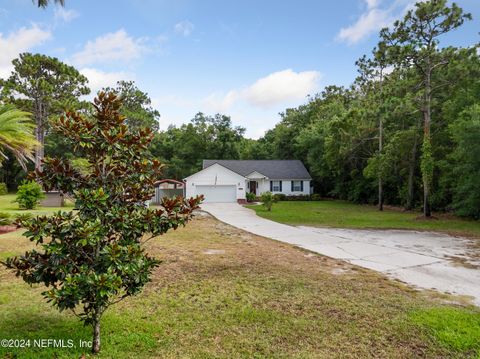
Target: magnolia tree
{"x":93,"y":257}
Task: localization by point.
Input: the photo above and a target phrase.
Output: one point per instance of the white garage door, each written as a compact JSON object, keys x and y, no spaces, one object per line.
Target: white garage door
{"x":218,"y":193}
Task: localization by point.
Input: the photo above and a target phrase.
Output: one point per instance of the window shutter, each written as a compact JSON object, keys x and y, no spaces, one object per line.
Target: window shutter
{"x":280,"y":186}
{"x":301,"y":186}
{"x":292,"y":185}
{"x":271,"y":186}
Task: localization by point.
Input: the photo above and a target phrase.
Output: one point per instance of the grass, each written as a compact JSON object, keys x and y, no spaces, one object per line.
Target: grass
{"x":224,"y":293}
{"x":342,"y":214}
{"x":8,"y":206}
{"x":457,"y":329}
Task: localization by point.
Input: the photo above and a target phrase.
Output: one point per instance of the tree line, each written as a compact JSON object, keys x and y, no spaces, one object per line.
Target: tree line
{"x":406,"y":132}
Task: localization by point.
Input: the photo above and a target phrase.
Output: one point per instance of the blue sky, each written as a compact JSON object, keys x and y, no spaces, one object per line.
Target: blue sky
{"x":247,"y":59}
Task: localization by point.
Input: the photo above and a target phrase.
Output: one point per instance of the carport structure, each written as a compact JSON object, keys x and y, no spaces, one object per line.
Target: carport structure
{"x":167,"y":188}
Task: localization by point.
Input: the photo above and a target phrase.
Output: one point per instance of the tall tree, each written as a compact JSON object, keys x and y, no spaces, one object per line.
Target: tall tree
{"x":94,"y":257}
{"x":414,"y":41}
{"x":137,"y":106}
{"x":48,"y":85}
{"x":16,"y":134}
{"x":372,"y":74}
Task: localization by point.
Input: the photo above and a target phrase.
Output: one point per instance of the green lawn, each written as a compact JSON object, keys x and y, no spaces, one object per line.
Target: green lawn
{"x":342,"y":214}
{"x":8,"y":206}
{"x":224,"y":293}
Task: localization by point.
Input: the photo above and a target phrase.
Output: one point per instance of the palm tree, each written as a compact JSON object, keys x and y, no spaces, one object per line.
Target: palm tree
{"x":17,"y":134}
{"x":44,"y":3}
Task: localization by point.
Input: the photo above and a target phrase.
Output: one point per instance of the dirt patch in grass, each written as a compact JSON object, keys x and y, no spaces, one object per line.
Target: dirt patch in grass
{"x":253,"y":298}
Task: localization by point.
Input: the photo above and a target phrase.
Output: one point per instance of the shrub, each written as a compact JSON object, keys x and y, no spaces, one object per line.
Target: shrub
{"x":300,"y":197}
{"x":3,"y":188}
{"x":251,"y":197}
{"x":5,"y":219}
{"x":280,"y":197}
{"x":29,"y":194}
{"x":19,"y":218}
{"x":93,"y":257}
{"x":268,"y":199}
{"x":315,"y":197}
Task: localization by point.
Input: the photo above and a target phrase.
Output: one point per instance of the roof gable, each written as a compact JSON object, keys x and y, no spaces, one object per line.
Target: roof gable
{"x":273,"y":169}
{"x":216,"y":164}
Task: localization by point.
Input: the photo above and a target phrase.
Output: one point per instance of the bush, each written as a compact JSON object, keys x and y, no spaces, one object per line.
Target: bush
{"x":29,"y":195}
{"x":300,"y":197}
{"x":3,"y":188}
{"x":251,"y":197}
{"x":268,"y":199}
{"x":280,"y":197}
{"x":315,"y":197}
{"x":5,"y":219}
{"x":19,"y":218}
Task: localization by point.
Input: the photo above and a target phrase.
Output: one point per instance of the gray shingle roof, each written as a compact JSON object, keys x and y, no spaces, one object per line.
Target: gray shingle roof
{"x":273,"y":169}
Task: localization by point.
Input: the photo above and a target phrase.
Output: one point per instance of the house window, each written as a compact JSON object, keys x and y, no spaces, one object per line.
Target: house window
{"x":297,"y":186}
{"x":276,"y":186}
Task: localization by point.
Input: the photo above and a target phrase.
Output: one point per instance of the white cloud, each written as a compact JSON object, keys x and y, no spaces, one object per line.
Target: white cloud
{"x":17,"y":42}
{"x":282,"y":86}
{"x":98,"y":79}
{"x":62,"y":14}
{"x":374,"y":19}
{"x":372,"y":3}
{"x":114,"y":46}
{"x":369,"y":22}
{"x":221,"y":103}
{"x":278,"y":88}
{"x":184,"y":28}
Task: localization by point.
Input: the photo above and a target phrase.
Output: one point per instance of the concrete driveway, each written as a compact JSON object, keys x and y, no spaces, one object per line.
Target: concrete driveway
{"x":423,"y":259}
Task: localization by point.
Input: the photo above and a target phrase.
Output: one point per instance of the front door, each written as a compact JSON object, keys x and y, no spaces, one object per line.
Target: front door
{"x":253,"y":187}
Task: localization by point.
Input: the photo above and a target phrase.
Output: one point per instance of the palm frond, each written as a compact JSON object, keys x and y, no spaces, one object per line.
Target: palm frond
{"x":44,"y":3}
{"x":17,"y":134}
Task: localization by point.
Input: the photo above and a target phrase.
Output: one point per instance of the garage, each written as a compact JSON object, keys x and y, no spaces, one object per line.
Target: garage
{"x":218,"y":193}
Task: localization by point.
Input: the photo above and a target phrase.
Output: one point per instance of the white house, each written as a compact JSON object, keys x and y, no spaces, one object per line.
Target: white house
{"x":230,"y":180}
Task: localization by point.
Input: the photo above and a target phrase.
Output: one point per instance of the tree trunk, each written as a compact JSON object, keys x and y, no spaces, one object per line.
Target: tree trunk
{"x":96,"y":335}
{"x":380,"y":148}
{"x":426,"y":137}
{"x":380,"y":179}
{"x":411,"y":173}
{"x":39,"y":134}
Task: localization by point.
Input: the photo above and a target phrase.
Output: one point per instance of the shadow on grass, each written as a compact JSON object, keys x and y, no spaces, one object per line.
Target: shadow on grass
{"x":32,"y":330}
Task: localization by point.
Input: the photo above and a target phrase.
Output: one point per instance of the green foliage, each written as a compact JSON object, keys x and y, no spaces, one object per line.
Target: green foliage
{"x":94,"y":256}
{"x":44,"y":3}
{"x":268,"y":199}
{"x":251,"y":197}
{"x":29,"y":194}
{"x":23,"y":218}
{"x":184,"y":148}
{"x":427,"y":162}
{"x":3,"y":188}
{"x":44,"y":86}
{"x":465,"y":160}
{"x":136,"y":106}
{"x":316,"y":197}
{"x":81,"y":165}
{"x":280,"y":197}
{"x":5,"y":219}
{"x":16,"y":134}
{"x":454,"y":328}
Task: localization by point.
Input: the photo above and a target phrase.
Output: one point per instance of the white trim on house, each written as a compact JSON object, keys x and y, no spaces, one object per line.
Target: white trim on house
{"x":255,"y":175}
